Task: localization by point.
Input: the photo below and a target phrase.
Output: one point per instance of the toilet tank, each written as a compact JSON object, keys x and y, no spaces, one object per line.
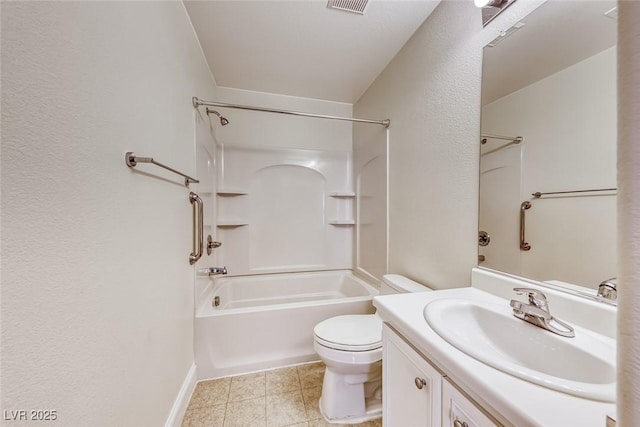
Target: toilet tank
{"x":397,"y":284}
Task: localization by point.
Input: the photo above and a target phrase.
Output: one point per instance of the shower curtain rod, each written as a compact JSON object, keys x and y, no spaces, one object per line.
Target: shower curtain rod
{"x":198,"y":102}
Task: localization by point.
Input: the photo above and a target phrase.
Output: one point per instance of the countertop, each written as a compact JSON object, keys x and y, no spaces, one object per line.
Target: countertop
{"x":511,"y":400}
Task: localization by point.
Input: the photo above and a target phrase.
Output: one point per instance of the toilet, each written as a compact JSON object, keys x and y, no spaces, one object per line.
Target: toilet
{"x":351,"y":348}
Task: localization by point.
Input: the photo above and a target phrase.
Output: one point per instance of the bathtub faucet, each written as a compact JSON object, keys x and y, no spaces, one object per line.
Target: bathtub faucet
{"x":212,"y":271}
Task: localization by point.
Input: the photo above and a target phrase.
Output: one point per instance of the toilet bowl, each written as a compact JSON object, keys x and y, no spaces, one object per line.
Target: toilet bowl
{"x":351,"y":348}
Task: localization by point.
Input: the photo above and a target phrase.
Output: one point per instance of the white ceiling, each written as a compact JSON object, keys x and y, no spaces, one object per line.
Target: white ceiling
{"x":302,"y":48}
{"x":556,"y":35}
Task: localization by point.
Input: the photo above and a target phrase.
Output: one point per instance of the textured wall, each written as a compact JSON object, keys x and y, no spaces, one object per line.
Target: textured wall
{"x":628,"y":208}
{"x":431,"y":93}
{"x":253,"y":128}
{"x":97,"y":292}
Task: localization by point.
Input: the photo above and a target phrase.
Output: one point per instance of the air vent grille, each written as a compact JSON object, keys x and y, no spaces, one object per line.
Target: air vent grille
{"x":354,"y":6}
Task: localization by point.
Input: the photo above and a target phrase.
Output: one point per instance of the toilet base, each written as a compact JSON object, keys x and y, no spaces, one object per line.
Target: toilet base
{"x":373,"y":411}
{"x":352,"y":398}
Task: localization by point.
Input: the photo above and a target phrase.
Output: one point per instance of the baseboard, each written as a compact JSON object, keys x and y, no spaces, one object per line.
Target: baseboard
{"x":182,"y":400}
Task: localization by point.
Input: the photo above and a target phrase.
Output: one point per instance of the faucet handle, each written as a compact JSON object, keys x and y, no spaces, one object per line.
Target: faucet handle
{"x":535,"y":297}
{"x":530,"y":293}
{"x":211,"y":271}
{"x":608,"y":289}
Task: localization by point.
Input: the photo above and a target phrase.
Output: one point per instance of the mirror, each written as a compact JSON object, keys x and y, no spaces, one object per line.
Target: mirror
{"x":549,"y":127}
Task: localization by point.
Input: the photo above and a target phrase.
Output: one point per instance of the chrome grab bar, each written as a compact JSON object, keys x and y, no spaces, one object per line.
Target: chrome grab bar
{"x":523,"y":243}
{"x":132,"y":160}
{"x":198,"y":227}
{"x":538,"y":194}
{"x":513,"y":139}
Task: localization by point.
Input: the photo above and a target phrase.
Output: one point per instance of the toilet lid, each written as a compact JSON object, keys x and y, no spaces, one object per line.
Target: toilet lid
{"x":352,"y":332}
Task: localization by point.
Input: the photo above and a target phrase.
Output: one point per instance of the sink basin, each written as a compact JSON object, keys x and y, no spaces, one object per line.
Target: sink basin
{"x":582,"y":366}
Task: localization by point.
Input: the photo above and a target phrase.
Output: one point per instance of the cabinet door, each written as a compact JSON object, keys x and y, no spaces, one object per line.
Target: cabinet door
{"x":411,"y":386}
{"x":459,"y":411}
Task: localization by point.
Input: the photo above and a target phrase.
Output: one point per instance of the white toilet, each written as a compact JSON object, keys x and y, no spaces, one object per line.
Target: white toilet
{"x":351,"y":348}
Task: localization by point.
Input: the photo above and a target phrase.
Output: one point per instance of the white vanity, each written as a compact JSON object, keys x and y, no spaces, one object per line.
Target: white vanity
{"x":430,"y":382}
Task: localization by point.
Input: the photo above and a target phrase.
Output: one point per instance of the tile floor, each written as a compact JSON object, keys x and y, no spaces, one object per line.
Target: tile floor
{"x":277,"y":398}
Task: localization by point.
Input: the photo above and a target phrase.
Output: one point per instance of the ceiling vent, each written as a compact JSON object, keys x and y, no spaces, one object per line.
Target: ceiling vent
{"x":354,"y":6}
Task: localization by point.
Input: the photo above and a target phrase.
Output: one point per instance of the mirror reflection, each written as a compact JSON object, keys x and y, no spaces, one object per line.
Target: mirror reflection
{"x":548,"y":153}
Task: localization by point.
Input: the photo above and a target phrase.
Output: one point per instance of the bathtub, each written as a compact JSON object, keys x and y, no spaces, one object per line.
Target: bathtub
{"x":266,"y":321}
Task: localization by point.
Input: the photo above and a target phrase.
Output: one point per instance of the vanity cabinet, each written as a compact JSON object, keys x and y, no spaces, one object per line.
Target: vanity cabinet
{"x":412,"y":387}
{"x":416,"y":394}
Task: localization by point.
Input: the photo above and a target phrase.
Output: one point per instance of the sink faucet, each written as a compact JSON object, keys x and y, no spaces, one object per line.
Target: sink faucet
{"x":537,"y":312}
{"x":608,"y":289}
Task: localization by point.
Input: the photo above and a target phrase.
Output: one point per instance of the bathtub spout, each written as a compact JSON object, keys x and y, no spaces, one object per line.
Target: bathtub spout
{"x":212,"y":271}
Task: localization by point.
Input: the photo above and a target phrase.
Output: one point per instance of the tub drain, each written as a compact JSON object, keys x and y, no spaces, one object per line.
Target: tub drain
{"x":215,"y":302}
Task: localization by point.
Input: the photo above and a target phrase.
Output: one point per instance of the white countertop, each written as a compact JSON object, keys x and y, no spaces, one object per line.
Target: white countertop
{"x":510,"y":400}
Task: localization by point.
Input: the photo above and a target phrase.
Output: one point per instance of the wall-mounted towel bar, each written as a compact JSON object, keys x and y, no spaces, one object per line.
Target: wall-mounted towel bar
{"x":524,"y":206}
{"x":538,"y":194}
{"x":132,"y":160}
{"x":514,"y":139}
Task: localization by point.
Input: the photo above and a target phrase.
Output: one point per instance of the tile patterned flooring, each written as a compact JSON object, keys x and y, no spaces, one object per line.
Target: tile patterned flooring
{"x":277,"y":398}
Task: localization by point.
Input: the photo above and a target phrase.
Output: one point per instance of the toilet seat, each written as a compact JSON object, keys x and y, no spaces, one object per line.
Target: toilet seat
{"x":350,"y":333}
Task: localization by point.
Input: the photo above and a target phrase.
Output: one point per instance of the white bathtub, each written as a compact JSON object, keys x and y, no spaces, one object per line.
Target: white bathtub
{"x":266,"y":321}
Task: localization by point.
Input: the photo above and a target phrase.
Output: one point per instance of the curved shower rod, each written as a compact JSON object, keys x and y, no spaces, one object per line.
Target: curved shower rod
{"x":197,"y":102}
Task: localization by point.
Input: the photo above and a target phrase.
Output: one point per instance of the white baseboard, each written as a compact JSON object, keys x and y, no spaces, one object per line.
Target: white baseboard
{"x":182,"y":400}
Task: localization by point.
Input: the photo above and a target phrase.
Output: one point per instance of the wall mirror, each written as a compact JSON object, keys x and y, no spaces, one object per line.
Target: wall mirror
{"x":548,"y":146}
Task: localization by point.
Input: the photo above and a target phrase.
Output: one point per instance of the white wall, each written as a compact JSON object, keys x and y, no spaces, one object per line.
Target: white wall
{"x":97,"y":291}
{"x":372,"y":181}
{"x":253,"y":128}
{"x":431,"y":93}
{"x":568,"y":121}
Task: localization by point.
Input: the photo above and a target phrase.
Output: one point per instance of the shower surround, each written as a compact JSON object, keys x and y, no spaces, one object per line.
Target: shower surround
{"x":286,"y":220}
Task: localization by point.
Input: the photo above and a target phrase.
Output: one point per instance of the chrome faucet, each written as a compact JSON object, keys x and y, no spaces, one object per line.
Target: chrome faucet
{"x":212,"y":271}
{"x":537,"y":312}
{"x":608,"y":289}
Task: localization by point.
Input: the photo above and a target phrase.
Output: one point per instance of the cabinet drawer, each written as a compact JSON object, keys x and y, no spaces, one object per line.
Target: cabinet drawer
{"x":459,"y":411}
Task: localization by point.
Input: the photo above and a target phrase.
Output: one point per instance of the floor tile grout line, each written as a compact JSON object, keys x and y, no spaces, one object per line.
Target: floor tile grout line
{"x":226,"y":404}
{"x":264,"y":375}
{"x":304,"y":403}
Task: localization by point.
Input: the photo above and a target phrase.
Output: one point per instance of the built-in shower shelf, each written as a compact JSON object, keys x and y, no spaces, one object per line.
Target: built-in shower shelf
{"x":341,"y":222}
{"x":232,"y":223}
{"x":344,"y":194}
{"x":231,"y":192}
